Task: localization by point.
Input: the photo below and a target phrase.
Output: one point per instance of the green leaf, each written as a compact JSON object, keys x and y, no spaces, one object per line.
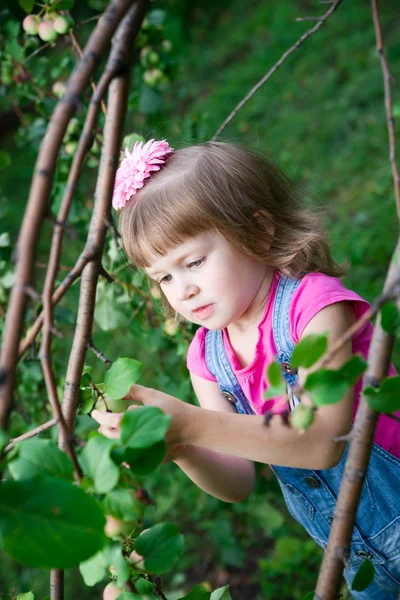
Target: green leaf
{"x":309,"y":596}
{"x":352,"y":369}
{"x":4,"y":439}
{"x":59,"y":524}
{"x":390,"y":318}
{"x":328,"y":387}
{"x":143,"y":461}
{"x":26,"y":596}
{"x":156,"y":17}
{"x":130,"y":140}
{"x":386,"y":398}
{"x":122,"y":504}
{"x":62,"y":5}
{"x":309,"y":350}
{"x":199,"y":592}
{"x":93,"y":570}
{"x":15,"y":50}
{"x":5,"y":240}
{"x":27,"y":5}
{"x":12,"y":28}
{"x":364,"y":576}
{"x":5,"y":160}
{"x":273,"y":391}
{"x":98,"y":465}
{"x":108,"y":315}
{"x":119,"y":379}
{"x":40,"y":457}
{"x":144,"y":427}
{"x":274,"y":374}
{"x":160,"y":546}
{"x":117,"y":560}
{"x":221,"y":594}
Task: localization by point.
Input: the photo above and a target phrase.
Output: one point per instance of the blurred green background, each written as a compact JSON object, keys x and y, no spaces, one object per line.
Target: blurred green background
{"x":321,"y":117}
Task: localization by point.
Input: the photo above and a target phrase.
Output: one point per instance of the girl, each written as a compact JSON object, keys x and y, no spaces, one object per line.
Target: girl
{"x":226,"y":237}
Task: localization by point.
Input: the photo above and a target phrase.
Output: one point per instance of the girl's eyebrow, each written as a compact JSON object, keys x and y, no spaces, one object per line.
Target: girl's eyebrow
{"x":176,"y":261}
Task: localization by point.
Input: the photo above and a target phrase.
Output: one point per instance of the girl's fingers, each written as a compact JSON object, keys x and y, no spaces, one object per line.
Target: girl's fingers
{"x":109,"y":432}
{"x":138,"y":393}
{"x":108,"y":419}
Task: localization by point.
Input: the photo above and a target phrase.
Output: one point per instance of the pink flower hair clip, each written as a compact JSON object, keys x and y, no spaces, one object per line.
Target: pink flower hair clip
{"x":136,"y":167}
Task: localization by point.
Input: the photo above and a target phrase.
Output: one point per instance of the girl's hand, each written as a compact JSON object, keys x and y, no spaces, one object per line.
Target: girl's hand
{"x":180,"y":412}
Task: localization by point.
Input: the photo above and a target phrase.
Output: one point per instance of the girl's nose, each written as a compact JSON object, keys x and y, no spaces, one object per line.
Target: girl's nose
{"x":187,"y":291}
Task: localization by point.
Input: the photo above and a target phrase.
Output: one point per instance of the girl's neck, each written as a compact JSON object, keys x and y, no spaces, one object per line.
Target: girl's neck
{"x":251,"y":318}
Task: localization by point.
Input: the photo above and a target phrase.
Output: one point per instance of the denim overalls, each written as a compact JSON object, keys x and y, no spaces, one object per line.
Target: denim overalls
{"x":311,"y":495}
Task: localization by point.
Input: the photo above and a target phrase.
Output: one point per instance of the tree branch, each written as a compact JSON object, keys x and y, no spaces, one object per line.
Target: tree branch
{"x":39,"y":194}
{"x":387,"y":78}
{"x":362,"y":434}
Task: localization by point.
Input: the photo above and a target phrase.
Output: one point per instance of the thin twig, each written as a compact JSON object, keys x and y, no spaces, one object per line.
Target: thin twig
{"x":387,"y":78}
{"x":30,"y":434}
{"x":293,"y":48}
{"x":95,"y":18}
{"x":78,"y":52}
{"x":98,"y":353}
{"x":37,"y":51}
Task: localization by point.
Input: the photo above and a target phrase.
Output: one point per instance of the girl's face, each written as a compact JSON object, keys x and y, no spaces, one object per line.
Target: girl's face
{"x":210,"y":283}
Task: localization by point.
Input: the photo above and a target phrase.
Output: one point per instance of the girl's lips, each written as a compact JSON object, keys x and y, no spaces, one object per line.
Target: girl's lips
{"x":204,"y":311}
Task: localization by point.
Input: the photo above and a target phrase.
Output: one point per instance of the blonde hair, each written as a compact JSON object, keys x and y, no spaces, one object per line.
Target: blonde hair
{"x":236,"y":192}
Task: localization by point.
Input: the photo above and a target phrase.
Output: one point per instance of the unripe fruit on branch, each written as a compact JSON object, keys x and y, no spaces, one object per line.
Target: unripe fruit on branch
{"x":114,"y":527}
{"x":166,"y":45}
{"x":152,"y":77}
{"x":302,"y":417}
{"x":111,"y":591}
{"x":46,"y":31}
{"x":30,"y":25}
{"x":63,"y":24}
{"x":70,"y":148}
{"x":136,"y":560}
{"x":58,"y":88}
{"x":170,"y":327}
{"x":73,"y":126}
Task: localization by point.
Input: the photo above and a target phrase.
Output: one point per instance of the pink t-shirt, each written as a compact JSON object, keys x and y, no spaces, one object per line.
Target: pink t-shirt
{"x":315,"y":291}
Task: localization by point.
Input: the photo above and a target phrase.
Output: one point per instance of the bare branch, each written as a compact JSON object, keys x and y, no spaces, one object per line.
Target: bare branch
{"x":97,"y":352}
{"x":387,"y":78}
{"x":120,"y":55}
{"x":78,"y":51}
{"x":284,"y":56}
{"x":362,"y":436}
{"x":30,"y":434}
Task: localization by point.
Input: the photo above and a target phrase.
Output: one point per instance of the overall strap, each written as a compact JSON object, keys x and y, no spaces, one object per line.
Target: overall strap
{"x":219,"y":365}
{"x":281,"y":331}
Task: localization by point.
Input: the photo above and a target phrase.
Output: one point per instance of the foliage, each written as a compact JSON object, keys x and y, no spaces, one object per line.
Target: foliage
{"x":322,"y":118}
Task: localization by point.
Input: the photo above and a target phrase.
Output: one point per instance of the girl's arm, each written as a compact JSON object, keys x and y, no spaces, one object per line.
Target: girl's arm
{"x":229,"y":478}
{"x":248,"y":437}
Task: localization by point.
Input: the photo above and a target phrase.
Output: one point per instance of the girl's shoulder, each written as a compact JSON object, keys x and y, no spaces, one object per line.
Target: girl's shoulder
{"x":315,"y":291}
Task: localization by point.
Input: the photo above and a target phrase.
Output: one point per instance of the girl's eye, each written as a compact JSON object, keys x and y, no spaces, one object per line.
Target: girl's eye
{"x":196,"y":263}
{"x":165,"y":279}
